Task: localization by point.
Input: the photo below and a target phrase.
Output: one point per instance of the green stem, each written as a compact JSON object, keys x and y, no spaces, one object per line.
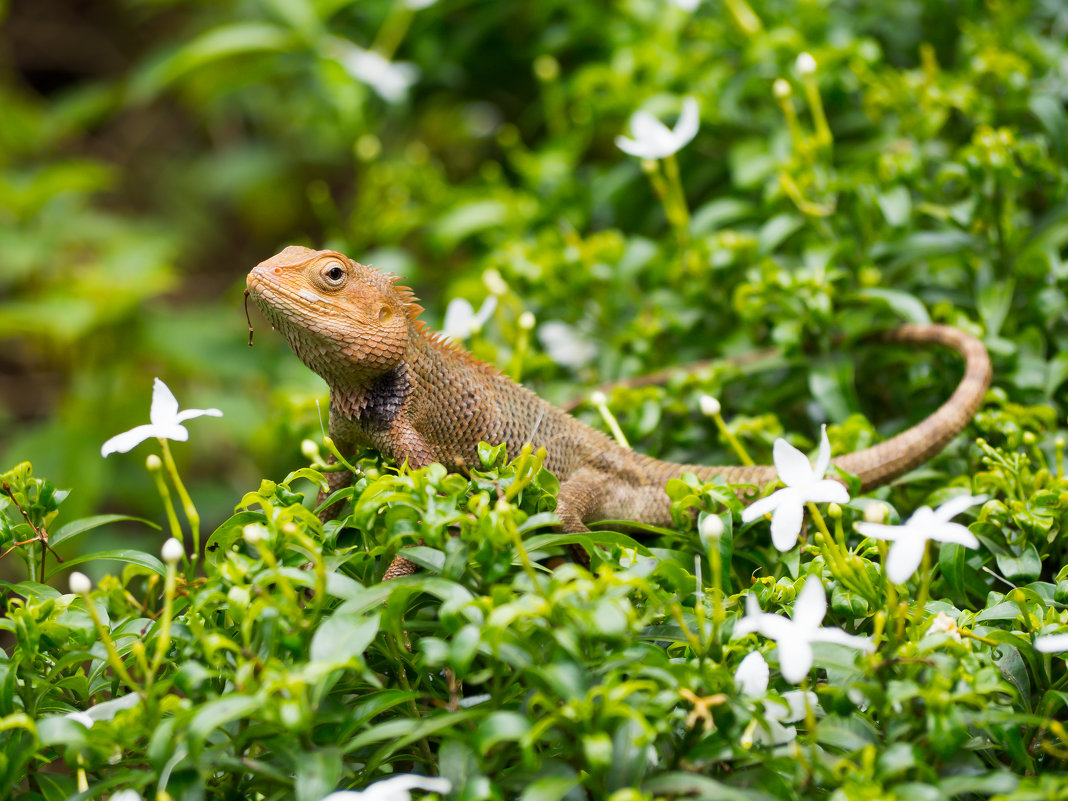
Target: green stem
{"x":925,"y":585}
{"x":154,"y":465}
{"x":393,"y":30}
{"x":113,"y":655}
{"x":191,"y":513}
{"x":163,"y":640}
{"x":732,"y":440}
{"x":600,"y":403}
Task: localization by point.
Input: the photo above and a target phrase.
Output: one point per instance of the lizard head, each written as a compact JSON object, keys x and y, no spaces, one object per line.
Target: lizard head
{"x":347,"y":322}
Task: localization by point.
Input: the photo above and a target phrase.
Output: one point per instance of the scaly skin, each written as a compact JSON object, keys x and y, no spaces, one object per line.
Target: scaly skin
{"x":399,"y":388}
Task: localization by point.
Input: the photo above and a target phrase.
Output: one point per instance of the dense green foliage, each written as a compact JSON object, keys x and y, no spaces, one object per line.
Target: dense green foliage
{"x":919,"y":173}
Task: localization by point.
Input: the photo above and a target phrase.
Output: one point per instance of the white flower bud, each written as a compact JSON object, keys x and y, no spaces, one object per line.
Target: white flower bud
{"x":80,"y":583}
{"x":781,"y":89}
{"x":709,"y":406}
{"x":598,"y":398}
{"x":153,"y":463}
{"x":172,"y":551}
{"x":876,"y":512}
{"x":253,"y":533}
{"x":806,"y":64}
{"x":309,"y":449}
{"x":526,"y":321}
{"x":711,"y":528}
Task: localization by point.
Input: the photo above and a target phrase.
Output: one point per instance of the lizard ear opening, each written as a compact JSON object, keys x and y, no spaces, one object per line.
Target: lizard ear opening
{"x":385,"y":314}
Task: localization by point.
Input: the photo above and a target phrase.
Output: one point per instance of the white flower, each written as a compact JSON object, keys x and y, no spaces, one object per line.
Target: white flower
{"x":1052,"y":643}
{"x":564,"y":345}
{"x":104,"y":711}
{"x":910,"y":539}
{"x":944,"y":624}
{"x":795,"y":636}
{"x":395,"y":788}
{"x":389,"y":79}
{"x":752,"y":679}
{"x":166,"y":422}
{"x":654,"y":140}
{"x":126,"y":795}
{"x":461,"y":321}
{"x":804,"y":483}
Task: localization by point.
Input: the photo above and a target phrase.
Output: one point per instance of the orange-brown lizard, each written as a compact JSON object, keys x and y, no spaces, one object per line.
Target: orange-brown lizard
{"x":401,"y":389}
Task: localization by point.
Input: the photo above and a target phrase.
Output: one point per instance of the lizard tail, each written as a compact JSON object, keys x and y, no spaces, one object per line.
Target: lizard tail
{"x":886,"y":461}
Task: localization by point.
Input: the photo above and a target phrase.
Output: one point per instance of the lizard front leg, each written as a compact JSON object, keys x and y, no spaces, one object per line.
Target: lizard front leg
{"x":580,"y":499}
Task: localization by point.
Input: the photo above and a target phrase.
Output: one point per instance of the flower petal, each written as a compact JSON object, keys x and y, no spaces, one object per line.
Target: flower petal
{"x":880,"y":531}
{"x":811,"y":605}
{"x":795,"y":658}
{"x":459,"y":315}
{"x":786,"y":522}
{"x":954,"y":506}
{"x":795,"y":702}
{"x":189,"y":414}
{"x":752,"y":674}
{"x":836,"y":636}
{"x":904,"y":558}
{"x":823,"y":458}
{"x":687,"y":124}
{"x":826,"y":491}
{"x":128,"y":440}
{"x":1052,"y":643}
{"x":164,"y":405}
{"x":758,"y":509}
{"x":791,"y":465}
{"x":397,"y":788}
{"x":953,"y":532}
{"x":638,"y":149}
{"x":651,"y":132}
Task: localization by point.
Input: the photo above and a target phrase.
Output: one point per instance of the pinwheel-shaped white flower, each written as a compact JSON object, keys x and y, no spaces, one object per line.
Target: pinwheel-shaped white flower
{"x":395,"y":788}
{"x":653,"y":140}
{"x":166,"y":422}
{"x":804,"y":483}
{"x":795,"y":635}
{"x":461,"y":320}
{"x":1052,"y":643}
{"x":752,"y":679}
{"x":105,"y":710}
{"x":910,"y":540}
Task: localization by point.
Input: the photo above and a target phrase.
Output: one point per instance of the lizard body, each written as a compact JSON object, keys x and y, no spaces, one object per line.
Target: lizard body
{"x":403,"y":390}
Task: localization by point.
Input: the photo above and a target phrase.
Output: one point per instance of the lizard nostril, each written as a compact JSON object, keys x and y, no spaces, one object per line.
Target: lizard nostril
{"x":277,"y":270}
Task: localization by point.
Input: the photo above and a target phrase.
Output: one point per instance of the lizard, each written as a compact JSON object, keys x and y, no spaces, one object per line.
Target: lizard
{"x":404,"y":390}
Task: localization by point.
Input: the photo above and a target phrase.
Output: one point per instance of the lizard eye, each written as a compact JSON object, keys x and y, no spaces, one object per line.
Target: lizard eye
{"x":334,"y":274}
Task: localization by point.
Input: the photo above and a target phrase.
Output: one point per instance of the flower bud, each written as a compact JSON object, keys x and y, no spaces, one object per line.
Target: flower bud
{"x":253,"y":533}
{"x":876,"y":512}
{"x":494,"y":283}
{"x":781,"y":89}
{"x":526,"y":321}
{"x":834,"y":511}
{"x":172,"y":551}
{"x":711,"y":528}
{"x":598,"y":398}
{"x":309,"y":449}
{"x":153,"y":463}
{"x":806,"y":64}
{"x":80,"y":583}
{"x":709,"y":406}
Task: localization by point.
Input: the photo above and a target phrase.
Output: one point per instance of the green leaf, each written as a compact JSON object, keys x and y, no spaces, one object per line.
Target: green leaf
{"x":217,"y":713}
{"x":1025,"y":567}
{"x":343,"y":637}
{"x":901,"y":303}
{"x":78,"y":527}
{"x":127,"y":555}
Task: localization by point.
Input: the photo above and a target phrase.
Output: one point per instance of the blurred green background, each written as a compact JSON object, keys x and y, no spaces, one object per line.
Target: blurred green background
{"x":152,"y":151}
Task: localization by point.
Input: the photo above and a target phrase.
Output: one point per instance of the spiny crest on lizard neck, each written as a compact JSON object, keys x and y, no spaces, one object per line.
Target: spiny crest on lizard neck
{"x":348,"y":322}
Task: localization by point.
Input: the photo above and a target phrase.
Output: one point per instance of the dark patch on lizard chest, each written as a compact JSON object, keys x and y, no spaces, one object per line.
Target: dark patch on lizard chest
{"x":385,"y":397}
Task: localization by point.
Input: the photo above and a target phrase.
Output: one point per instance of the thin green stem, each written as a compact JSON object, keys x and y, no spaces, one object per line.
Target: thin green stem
{"x":113,"y":655}
{"x":191,"y":513}
{"x":925,"y":585}
{"x":731,"y":440}
{"x":154,"y":468}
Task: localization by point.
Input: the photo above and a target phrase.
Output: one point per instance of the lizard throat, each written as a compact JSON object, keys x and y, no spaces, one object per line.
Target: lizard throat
{"x":378,"y":403}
